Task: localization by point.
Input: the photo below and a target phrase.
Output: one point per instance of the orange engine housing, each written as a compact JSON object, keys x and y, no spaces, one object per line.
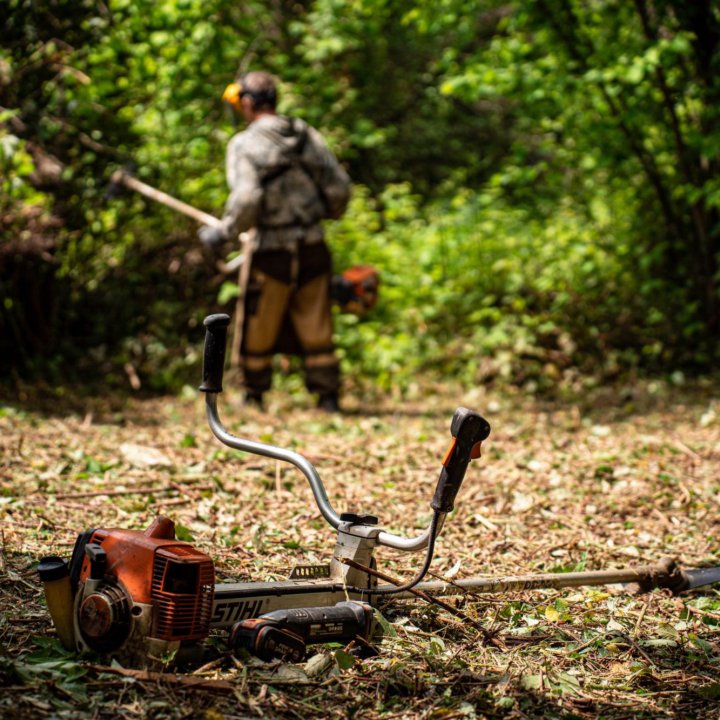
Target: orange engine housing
{"x":154,"y":569}
{"x":356,"y":290}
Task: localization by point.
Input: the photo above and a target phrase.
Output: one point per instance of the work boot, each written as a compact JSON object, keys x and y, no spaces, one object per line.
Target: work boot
{"x":328,"y":402}
{"x":253,"y":400}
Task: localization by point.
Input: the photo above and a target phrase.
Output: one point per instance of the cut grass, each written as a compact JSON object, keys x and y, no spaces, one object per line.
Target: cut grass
{"x":591,"y":484}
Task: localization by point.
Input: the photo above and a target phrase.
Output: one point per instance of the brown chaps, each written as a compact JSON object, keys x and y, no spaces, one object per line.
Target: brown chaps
{"x":288,"y":311}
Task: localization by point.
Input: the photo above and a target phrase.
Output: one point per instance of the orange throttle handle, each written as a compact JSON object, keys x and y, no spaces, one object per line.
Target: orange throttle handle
{"x":468,"y":430}
{"x":214,"y":356}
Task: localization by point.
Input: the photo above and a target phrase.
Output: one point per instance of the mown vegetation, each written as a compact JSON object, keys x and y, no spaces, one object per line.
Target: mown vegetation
{"x":600,"y":484}
{"x":537,"y":182}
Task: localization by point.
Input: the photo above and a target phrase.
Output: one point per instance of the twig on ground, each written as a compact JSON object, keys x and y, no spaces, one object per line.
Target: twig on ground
{"x":3,"y":552}
{"x":702,"y":613}
{"x":488,"y":637}
{"x":186,"y":682}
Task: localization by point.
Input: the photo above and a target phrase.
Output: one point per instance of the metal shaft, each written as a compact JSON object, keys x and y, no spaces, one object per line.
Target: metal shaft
{"x":663,"y":574}
{"x":122,"y":178}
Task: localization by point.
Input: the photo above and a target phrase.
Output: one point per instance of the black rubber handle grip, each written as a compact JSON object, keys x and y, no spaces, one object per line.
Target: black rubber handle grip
{"x":214,"y":356}
{"x":468,"y":429}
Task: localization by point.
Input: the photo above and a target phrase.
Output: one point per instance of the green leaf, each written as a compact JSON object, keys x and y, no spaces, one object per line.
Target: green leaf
{"x":698,"y":642}
{"x":566,"y":684}
{"x":344,"y":659}
{"x":188,"y":441}
{"x":183,"y":533}
{"x":530,"y":681}
{"x":551,"y":614}
{"x":710,"y":692}
{"x":386,"y":627}
{"x":228,"y":291}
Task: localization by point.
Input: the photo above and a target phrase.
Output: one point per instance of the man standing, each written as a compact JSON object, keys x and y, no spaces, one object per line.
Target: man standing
{"x":283,"y":181}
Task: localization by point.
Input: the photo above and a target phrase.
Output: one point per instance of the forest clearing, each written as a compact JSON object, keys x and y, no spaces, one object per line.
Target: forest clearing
{"x":613,"y":479}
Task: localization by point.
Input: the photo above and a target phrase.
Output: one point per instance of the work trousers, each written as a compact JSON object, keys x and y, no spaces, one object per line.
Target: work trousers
{"x":288,"y":310}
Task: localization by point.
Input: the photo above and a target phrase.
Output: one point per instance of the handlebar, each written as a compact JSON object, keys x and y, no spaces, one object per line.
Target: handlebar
{"x":468,"y":430}
{"x":214,"y":354}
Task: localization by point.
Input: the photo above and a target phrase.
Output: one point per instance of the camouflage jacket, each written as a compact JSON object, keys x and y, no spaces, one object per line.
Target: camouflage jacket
{"x":283,"y":180}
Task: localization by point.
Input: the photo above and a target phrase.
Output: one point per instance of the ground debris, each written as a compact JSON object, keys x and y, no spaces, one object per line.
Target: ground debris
{"x":560,"y":487}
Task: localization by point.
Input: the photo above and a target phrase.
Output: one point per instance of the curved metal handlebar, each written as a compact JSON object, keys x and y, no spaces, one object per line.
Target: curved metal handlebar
{"x":277,"y":453}
{"x":308,"y":469}
{"x":468,"y":429}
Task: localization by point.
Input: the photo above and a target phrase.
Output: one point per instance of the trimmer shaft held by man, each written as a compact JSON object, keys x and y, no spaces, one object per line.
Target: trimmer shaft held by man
{"x":355,"y":290}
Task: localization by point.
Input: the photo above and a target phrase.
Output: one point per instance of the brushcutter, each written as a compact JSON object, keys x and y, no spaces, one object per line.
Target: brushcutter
{"x":139,"y":596}
{"x":354,"y":290}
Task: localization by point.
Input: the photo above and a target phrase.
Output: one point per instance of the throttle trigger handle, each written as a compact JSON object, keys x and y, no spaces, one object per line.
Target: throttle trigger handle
{"x":468,"y":430}
{"x":475,"y":452}
{"x":449,"y":453}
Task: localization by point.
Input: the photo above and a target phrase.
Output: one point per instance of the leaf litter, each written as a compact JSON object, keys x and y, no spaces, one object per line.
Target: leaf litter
{"x":591,"y":484}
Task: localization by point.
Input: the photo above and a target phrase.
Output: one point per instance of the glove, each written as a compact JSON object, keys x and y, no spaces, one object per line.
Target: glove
{"x":211,"y":237}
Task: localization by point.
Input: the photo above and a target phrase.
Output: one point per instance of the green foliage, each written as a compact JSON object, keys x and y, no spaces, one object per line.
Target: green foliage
{"x":476,"y":288}
{"x":376,"y":75}
{"x":537,"y":182}
{"x":49,"y":665}
{"x":618,"y":99}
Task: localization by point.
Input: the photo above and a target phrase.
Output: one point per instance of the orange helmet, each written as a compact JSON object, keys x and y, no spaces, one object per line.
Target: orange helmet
{"x":233,"y":93}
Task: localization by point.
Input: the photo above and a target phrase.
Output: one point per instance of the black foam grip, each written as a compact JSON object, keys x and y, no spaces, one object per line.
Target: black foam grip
{"x":214,"y":356}
{"x":468,"y":428}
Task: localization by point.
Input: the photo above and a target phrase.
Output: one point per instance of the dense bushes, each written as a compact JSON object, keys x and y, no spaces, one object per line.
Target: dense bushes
{"x":481,"y":290}
{"x":537,"y":182}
